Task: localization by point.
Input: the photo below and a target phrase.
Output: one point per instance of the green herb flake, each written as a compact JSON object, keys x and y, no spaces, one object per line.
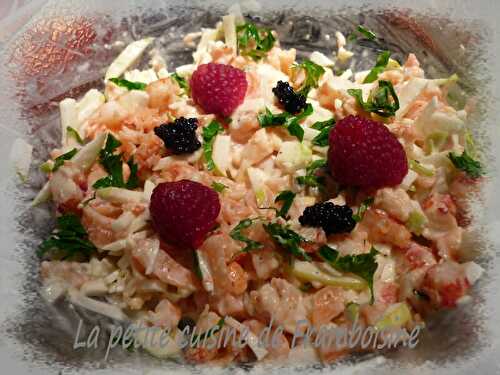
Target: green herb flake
{"x":112,"y":163}
{"x":362,"y":209}
{"x":69,"y":239}
{"x":311,"y":178}
{"x":379,"y":67}
{"x":313,"y":73}
{"x":71,"y":132}
{"x":209,"y":133}
{"x":254,"y":41}
{"x":287,"y":239}
{"x":129,"y":85}
{"x":218,"y":187}
{"x":324,"y":127}
{"x":362,"y":265}
{"x":287,"y":120}
{"x":59,"y":161}
{"x":238,"y":236}
{"x":383,"y":100}
{"x":181,"y":81}
{"x":465,"y":163}
{"x":368,"y":34}
{"x":287,"y":197}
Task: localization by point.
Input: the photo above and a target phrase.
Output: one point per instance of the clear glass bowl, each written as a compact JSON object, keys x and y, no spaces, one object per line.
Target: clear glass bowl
{"x":58,"y":49}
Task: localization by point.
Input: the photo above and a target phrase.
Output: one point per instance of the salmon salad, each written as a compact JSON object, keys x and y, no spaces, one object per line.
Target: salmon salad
{"x":255,"y":190}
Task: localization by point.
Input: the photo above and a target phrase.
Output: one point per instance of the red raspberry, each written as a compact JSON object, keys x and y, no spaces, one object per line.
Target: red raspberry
{"x":364,"y":153}
{"x":183,"y":212}
{"x":218,"y":88}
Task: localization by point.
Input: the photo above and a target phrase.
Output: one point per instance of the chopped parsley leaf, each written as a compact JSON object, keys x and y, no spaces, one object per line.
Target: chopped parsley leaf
{"x":379,"y":67}
{"x":465,"y":163}
{"x":287,"y":197}
{"x":181,"y":81}
{"x":254,"y":41}
{"x":218,"y":187}
{"x":112,"y":163}
{"x":313,"y":73}
{"x":209,"y":133}
{"x":69,"y":239}
{"x":238,"y":236}
{"x":362,"y":209}
{"x":311,"y":178}
{"x":362,"y":265}
{"x":129,"y":85}
{"x":287,"y":120}
{"x":379,"y":101}
{"x":59,"y":161}
{"x":324,"y":127}
{"x":73,"y":133}
{"x":287,"y":239}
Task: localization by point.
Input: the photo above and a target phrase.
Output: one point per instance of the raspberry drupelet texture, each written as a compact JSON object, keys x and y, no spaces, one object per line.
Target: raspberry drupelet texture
{"x":183,"y":212}
{"x":332,"y":218}
{"x":364,"y":153}
{"x":289,"y":99}
{"x":179,"y":136}
{"x":218,"y":88}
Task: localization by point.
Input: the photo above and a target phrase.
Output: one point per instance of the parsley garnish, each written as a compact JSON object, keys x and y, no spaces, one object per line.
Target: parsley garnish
{"x":287,"y":239}
{"x":287,"y":120}
{"x":379,"y":67}
{"x":362,"y":209}
{"x":363,"y":265}
{"x":467,"y":164}
{"x":181,"y":81}
{"x":287,"y":197}
{"x":59,"y":161}
{"x":129,"y":85}
{"x":379,"y":101}
{"x":209,"y":133}
{"x":313,"y":74}
{"x":212,"y":331}
{"x":218,"y":187}
{"x":254,"y":41}
{"x":324,"y":127}
{"x":311,"y":178}
{"x":112,"y":163}
{"x":73,"y":133}
{"x":69,"y":238}
{"x":238,"y":236}
{"x":368,"y":34}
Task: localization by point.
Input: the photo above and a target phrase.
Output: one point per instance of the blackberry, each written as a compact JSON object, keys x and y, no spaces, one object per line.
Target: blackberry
{"x":179,"y":136}
{"x":332,"y":218}
{"x":292,"y":102}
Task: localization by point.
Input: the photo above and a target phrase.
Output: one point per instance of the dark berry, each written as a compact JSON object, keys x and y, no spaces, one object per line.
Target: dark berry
{"x":183,"y":212}
{"x":218,"y":88}
{"x":289,"y":99}
{"x":180,"y":136}
{"x":330,"y":217}
{"x":365,"y":154}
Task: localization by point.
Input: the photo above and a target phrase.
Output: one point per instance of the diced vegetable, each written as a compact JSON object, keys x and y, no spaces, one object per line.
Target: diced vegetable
{"x":293,"y":155}
{"x":107,"y":309}
{"x":43,"y":195}
{"x":207,"y":279}
{"x":69,"y":118}
{"x":229,"y":26}
{"x":90,"y":102}
{"x":120,"y":195}
{"x":308,"y":271}
{"x":416,"y":222}
{"x":221,"y":153}
{"x":427,"y":171}
{"x":88,"y":154}
{"x":352,"y":311}
{"x":150,"y":338}
{"x":251,"y":339}
{"x":396,"y":316}
{"x":408,"y":94}
{"x":209,"y":134}
{"x":128,"y":57}
{"x":257,"y":179}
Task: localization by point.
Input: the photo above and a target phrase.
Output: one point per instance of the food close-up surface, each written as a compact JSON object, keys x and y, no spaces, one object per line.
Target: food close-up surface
{"x":220,"y":187}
